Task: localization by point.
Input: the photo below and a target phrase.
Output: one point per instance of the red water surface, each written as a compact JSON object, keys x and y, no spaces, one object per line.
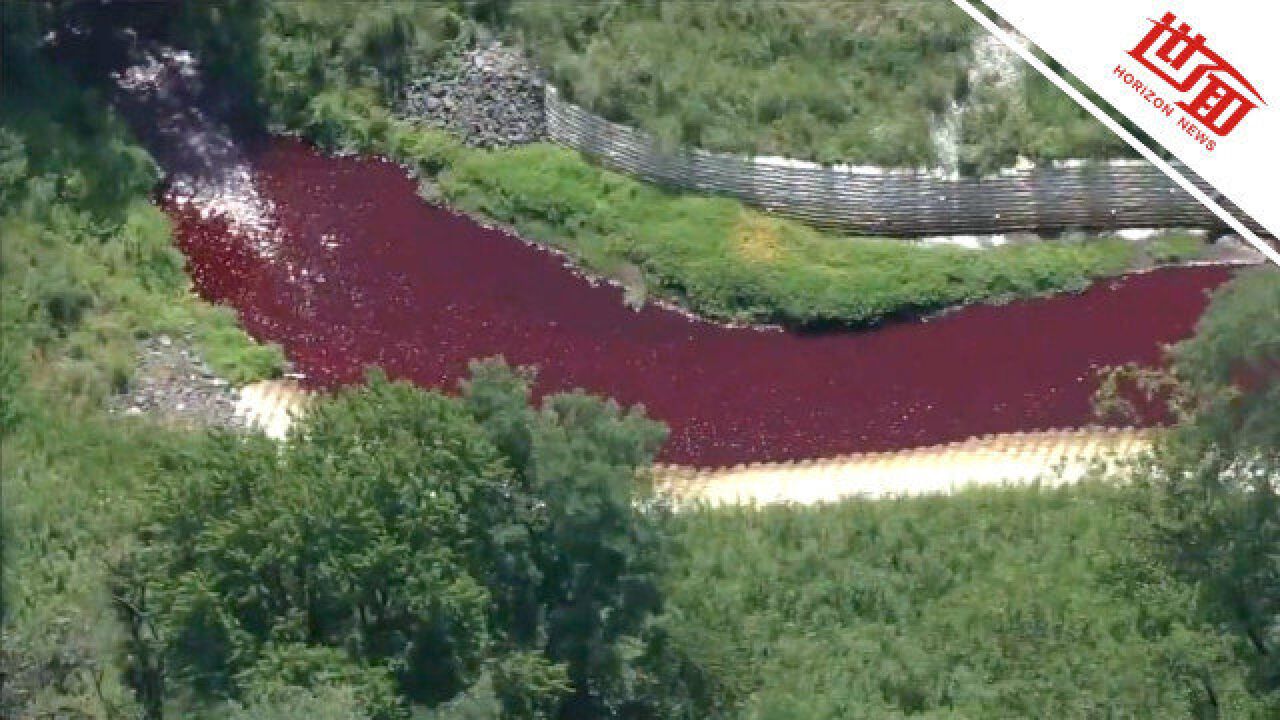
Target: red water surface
{"x":366,"y":273}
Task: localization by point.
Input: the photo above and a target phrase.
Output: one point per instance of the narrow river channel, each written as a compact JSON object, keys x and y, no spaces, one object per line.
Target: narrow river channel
{"x":359,"y":271}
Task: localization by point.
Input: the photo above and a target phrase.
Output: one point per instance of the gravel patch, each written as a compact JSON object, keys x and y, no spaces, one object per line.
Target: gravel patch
{"x":174,"y":385}
{"x":491,"y":97}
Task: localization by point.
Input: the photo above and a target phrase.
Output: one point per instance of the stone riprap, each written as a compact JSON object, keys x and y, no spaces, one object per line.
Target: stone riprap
{"x":490,"y":97}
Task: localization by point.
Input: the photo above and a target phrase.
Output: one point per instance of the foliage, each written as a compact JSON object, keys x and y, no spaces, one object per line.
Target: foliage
{"x":1215,"y":475}
{"x":69,"y":490}
{"x":989,"y":603}
{"x":314,"y":46}
{"x":87,"y":263}
{"x":1037,"y":121}
{"x":284,"y":669}
{"x":86,"y":268}
{"x":1231,"y":362}
{"x":474,"y":545}
{"x":860,"y":82}
{"x":1174,"y":248}
{"x":713,"y":255}
{"x":832,"y":82}
{"x":328,"y":702}
{"x":866,"y":82}
{"x":224,"y":35}
{"x":597,"y":553}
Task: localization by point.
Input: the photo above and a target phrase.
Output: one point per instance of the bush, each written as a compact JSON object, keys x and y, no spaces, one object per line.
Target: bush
{"x":88,"y":265}
{"x":283,"y":670}
{"x":461,"y":548}
{"x":70,"y":501}
{"x":856,"y":82}
{"x":86,"y":268}
{"x":328,"y":702}
{"x":1167,"y":249}
{"x":1215,"y":475}
{"x":989,"y":603}
{"x":863,"y":82}
{"x":312,"y":47}
{"x":374,"y":533}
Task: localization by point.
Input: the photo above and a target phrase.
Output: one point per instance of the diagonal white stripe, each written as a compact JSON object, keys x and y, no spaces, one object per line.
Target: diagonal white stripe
{"x":1035,"y":62}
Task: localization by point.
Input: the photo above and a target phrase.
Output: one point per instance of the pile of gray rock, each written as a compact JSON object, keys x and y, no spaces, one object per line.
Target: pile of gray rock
{"x":174,"y":385}
{"x":491,"y":97}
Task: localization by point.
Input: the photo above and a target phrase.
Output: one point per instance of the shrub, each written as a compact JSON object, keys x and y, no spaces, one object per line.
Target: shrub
{"x":462,"y":548}
{"x":989,"y":603}
{"x":864,"y":82}
{"x":1215,"y":475}
{"x":86,"y":267}
{"x":283,"y":670}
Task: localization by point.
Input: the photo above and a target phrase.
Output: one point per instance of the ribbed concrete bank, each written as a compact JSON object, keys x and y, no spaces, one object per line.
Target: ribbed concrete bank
{"x":1056,"y":457}
{"x":902,"y":203}
{"x":1053,"y":458}
{"x":270,"y":406}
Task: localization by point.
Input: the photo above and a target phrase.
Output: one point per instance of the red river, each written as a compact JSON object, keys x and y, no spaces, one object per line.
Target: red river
{"x":363,"y":272}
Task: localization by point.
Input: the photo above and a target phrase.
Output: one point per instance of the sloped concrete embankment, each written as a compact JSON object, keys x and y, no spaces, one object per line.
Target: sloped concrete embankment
{"x":1054,"y":458}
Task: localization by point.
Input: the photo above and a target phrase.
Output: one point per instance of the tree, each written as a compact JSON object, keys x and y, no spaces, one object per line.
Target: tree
{"x":596,"y":538}
{"x":375,"y":531}
{"x":460,"y":553}
{"x":1217,"y":472}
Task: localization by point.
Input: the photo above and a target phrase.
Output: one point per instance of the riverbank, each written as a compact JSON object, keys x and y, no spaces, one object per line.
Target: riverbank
{"x":1014,"y":459}
{"x":358,"y":271}
{"x":713,"y":256}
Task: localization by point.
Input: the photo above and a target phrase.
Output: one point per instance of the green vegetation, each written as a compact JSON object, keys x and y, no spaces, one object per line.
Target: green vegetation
{"x":71,"y":478}
{"x":1214,"y":477}
{"x":1039,"y":122}
{"x":1095,"y":600}
{"x":310,"y":47}
{"x":413,"y":548}
{"x":724,"y":260}
{"x":990,"y":603}
{"x":1101,"y":600}
{"x":86,"y":269}
{"x":831,"y":82}
{"x":861,"y":82}
{"x":480,"y":556}
{"x":1166,"y":249}
{"x":712,"y":255}
{"x":87,"y":265}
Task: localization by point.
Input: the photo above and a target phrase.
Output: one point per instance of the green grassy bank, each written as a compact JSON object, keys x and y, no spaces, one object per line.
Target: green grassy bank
{"x":87,"y":269}
{"x":861,"y":82}
{"x":712,"y":255}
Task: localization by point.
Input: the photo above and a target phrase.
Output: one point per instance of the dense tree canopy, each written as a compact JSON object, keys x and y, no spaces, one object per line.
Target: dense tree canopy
{"x":413,"y":546}
{"x":1217,"y":472}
